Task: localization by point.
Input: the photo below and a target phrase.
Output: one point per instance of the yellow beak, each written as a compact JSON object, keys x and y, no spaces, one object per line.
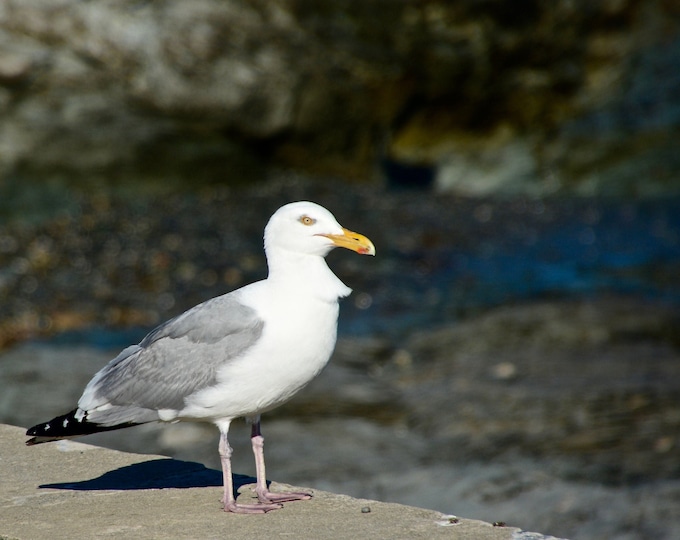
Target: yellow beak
{"x":354,"y":241}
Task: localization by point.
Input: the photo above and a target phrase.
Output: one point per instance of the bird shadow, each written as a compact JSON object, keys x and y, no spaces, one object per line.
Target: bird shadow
{"x":154,"y":474}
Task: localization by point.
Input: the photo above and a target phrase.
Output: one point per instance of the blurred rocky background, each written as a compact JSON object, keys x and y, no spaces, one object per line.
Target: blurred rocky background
{"x":481,"y":96}
{"x":513,"y":352}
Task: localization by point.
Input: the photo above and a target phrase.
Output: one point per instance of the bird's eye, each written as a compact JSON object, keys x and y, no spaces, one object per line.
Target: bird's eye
{"x":306,"y":220}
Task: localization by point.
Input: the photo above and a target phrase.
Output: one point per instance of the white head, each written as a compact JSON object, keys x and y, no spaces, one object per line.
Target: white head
{"x":305,"y":228}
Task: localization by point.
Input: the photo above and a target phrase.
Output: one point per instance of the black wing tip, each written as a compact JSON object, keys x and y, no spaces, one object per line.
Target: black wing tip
{"x":35,"y":436}
{"x":68,"y":426}
{"x":33,"y":441}
{"x":57,"y":428}
{"x":33,"y":431}
{"x":30,"y":433}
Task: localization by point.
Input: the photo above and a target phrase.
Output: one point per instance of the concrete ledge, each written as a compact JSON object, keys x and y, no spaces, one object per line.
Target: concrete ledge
{"x":76,"y":491}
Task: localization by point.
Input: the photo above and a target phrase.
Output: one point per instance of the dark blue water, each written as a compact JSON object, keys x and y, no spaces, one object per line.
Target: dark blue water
{"x":583,"y":250}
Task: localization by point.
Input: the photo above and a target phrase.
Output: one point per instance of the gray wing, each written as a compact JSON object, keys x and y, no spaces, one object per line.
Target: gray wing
{"x":173,"y":361}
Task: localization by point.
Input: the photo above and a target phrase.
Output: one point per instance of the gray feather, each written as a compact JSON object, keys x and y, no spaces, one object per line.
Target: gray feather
{"x":175,"y":360}
{"x":117,"y":415}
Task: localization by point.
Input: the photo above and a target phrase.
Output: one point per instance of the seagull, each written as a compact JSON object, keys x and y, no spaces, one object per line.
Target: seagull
{"x":236,"y":355}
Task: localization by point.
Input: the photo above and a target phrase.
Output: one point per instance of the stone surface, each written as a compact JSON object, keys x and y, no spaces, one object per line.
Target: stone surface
{"x":76,"y":491}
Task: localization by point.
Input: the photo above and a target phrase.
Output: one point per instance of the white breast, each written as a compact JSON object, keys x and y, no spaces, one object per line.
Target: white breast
{"x":297,"y":341}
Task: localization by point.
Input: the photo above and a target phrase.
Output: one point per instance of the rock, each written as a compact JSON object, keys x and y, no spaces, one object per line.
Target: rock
{"x":135,"y":496}
{"x":604,"y":373}
{"x":115,"y":87}
{"x":481,"y":99}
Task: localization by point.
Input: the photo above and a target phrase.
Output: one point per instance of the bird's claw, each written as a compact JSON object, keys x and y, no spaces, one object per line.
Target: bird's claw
{"x":259,"y":508}
{"x":273,"y":497}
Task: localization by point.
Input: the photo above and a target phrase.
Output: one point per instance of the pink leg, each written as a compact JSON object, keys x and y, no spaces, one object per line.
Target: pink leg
{"x":263,"y":494}
{"x":229,"y":501}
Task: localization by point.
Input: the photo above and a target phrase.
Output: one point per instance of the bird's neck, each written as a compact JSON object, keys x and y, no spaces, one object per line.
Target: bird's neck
{"x":305,"y":274}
